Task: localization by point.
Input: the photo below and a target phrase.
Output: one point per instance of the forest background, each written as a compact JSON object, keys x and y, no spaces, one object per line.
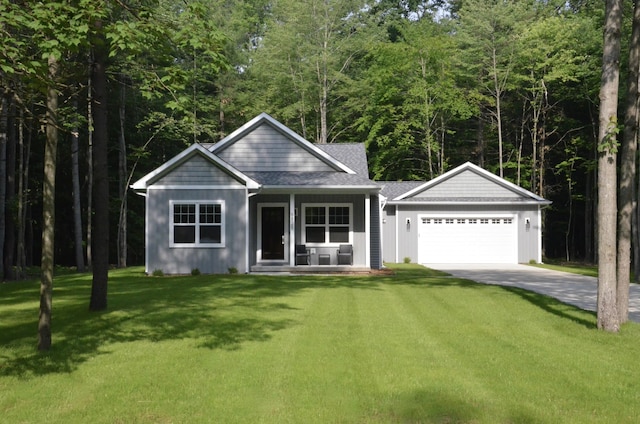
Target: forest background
{"x":427,"y":85}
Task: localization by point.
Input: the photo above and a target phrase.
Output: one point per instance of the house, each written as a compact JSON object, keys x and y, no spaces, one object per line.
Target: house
{"x":467,"y":215}
{"x":249,"y":202}
{"x":245,"y":202}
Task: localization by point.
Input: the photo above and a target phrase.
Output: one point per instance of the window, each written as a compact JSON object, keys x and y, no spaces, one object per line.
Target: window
{"x":327,"y":224}
{"x":196,"y":224}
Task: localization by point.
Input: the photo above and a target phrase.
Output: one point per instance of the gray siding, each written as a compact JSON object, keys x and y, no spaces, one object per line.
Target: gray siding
{"x":405,"y":245}
{"x":178,"y":260}
{"x":197,"y":171}
{"x":375,"y":236}
{"x":389,"y":234}
{"x":467,"y":184}
{"x":265,"y":149}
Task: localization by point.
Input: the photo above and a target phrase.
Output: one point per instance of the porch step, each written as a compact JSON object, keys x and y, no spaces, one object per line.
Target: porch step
{"x":309,"y":269}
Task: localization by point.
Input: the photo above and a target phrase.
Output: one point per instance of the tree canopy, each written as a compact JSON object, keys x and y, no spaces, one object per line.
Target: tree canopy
{"x":426,"y":85}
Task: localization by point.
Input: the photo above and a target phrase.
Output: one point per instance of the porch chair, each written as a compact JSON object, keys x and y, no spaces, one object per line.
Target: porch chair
{"x":345,"y":254}
{"x":302,"y":255}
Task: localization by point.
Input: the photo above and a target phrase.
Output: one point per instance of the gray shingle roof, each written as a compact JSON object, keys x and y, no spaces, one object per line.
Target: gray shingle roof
{"x":353,"y":155}
{"x":310,"y":179}
{"x":393,"y":189}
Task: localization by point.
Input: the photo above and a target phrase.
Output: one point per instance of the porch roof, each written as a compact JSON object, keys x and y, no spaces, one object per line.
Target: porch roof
{"x":313,"y":180}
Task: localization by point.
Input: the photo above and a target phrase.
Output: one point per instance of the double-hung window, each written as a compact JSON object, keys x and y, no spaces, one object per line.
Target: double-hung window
{"x":197,"y":224}
{"x":327,"y":224}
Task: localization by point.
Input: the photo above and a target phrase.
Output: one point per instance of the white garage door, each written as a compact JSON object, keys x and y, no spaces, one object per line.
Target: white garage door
{"x":467,"y":239}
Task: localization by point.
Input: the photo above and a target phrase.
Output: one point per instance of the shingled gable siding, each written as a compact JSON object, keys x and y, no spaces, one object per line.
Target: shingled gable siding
{"x":467,"y":184}
{"x":265,"y":149}
{"x":198,"y":171}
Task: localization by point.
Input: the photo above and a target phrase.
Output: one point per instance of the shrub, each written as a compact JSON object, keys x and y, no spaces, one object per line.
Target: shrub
{"x":407,"y":260}
{"x":195,"y":271}
{"x":233,"y":270}
{"x":157,"y":273}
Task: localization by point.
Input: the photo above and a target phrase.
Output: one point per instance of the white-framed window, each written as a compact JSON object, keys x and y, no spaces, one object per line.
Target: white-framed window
{"x":327,"y":223}
{"x":197,"y":223}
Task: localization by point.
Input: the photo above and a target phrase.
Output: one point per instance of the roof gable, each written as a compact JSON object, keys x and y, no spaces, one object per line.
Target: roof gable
{"x":197,"y":158}
{"x":469,"y":182}
{"x":264,"y":145}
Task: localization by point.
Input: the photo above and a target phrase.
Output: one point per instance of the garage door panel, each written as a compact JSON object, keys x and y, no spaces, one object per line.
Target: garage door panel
{"x":491,"y":239}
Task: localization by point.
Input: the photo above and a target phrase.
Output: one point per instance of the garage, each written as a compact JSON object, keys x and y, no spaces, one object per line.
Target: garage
{"x":467,"y":239}
{"x":466,"y":215}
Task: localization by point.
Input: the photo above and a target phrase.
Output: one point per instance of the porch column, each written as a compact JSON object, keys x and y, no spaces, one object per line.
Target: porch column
{"x":367,"y":229}
{"x":292,"y":229}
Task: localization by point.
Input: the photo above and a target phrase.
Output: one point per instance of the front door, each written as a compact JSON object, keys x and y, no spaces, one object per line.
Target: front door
{"x":273,"y":226}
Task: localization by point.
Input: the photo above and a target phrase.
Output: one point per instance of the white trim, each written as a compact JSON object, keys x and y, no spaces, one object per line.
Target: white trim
{"x":327,"y":243}
{"x":472,"y":203}
{"x":286,"y":236}
{"x":292,"y":229}
{"x":198,"y":244}
{"x":247,"y":213}
{"x":397,"y":234}
{"x":539,"y":236}
{"x":147,"y":241}
{"x":197,"y":187}
{"x":367,"y":230}
{"x":145,"y":182}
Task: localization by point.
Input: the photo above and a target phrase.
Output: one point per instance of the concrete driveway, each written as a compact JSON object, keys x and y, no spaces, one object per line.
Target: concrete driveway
{"x":572,"y":289}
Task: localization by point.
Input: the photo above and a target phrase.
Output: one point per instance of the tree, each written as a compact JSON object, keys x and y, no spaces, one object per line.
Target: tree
{"x":100,"y":240}
{"x":48,"y":210}
{"x":303,"y":59}
{"x":488,"y":34}
{"x":628,"y":171}
{"x":607,"y":314}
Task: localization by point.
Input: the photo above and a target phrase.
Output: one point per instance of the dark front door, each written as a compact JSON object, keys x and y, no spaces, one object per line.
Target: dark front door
{"x":273,"y":233}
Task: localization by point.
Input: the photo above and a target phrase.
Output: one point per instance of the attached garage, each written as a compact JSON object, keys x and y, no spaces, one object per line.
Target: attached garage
{"x":467,"y":215}
{"x":467,"y":239}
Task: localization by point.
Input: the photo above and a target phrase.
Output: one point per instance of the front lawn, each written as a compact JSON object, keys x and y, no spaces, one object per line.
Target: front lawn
{"x":414,"y":347}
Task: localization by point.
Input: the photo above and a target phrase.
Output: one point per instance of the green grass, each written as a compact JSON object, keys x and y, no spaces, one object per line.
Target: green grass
{"x":414,"y":347}
{"x":589,"y":270}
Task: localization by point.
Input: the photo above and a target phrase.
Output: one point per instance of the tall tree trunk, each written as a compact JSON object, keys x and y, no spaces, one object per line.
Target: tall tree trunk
{"x":89,"y":176}
{"x":101,"y":177}
{"x":122,"y":178}
{"x":48,"y":211}
{"x":10,"y":197}
{"x":628,"y":171}
{"x":607,"y":314}
{"x":22,"y":174}
{"x":4,"y":119}
{"x":77,"y":207}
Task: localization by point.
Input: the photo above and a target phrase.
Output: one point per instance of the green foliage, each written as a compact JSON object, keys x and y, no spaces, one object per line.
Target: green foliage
{"x":157,"y":273}
{"x":195,"y":272}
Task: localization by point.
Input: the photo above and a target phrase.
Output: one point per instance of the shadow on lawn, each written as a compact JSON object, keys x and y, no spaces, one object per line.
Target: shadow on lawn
{"x":216,"y":312}
{"x":439,"y":406}
{"x":544,"y":302}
